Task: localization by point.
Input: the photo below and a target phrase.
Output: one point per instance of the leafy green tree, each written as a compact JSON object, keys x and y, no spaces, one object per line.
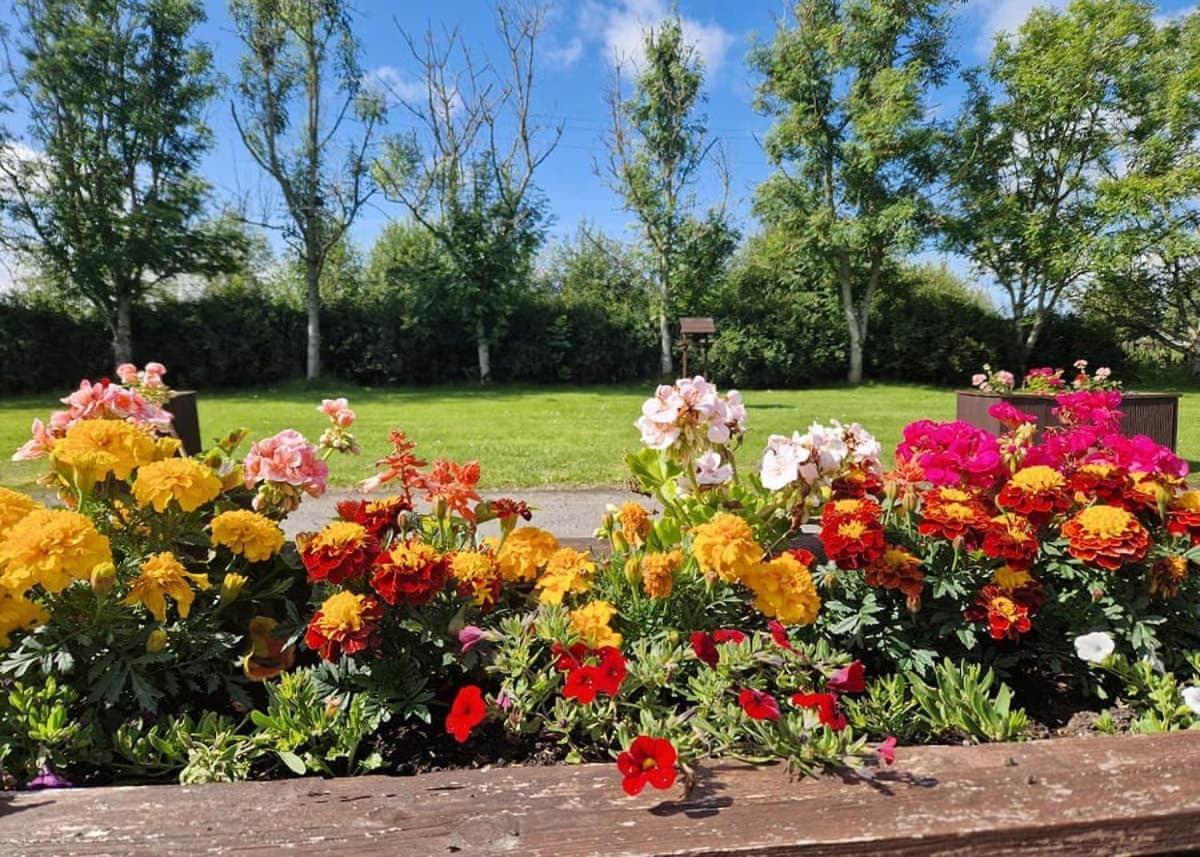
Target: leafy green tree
{"x":658,"y":146}
{"x":1148,"y":260}
{"x":465,"y":173}
{"x":848,"y":82}
{"x":301,"y":94}
{"x":102,"y":191}
{"x":1033,"y":139}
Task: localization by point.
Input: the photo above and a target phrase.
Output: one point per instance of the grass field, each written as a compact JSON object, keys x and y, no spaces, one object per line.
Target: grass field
{"x":527,"y":436}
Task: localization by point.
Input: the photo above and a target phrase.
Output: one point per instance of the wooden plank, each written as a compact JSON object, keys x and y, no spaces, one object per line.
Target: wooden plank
{"x":1124,"y":795}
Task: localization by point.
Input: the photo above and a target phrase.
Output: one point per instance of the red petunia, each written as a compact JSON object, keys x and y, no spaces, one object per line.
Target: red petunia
{"x":705,"y":644}
{"x":887,"y":750}
{"x":466,"y":712}
{"x":758,"y":705}
{"x":582,"y":684}
{"x":611,"y":671}
{"x":779,"y":634}
{"x":826,"y":706}
{"x":410,"y":572}
{"x":849,"y":679}
{"x":568,"y":659}
{"x":648,"y":760}
{"x":728,"y":635}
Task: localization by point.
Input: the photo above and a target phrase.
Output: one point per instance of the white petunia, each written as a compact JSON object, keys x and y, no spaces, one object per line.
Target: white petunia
{"x":1191,"y":698}
{"x":1094,"y":647}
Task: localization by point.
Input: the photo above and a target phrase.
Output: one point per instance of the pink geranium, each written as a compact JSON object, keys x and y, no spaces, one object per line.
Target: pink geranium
{"x":951,"y":453}
{"x":1097,"y":409}
{"x":1142,"y":454}
{"x":286,"y":458}
{"x":1009,"y":415}
{"x":338,"y":411}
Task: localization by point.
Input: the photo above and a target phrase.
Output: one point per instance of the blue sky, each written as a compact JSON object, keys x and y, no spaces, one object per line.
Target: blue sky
{"x":581,"y":40}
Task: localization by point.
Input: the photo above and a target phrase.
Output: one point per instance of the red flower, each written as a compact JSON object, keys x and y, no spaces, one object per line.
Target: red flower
{"x":758,"y":704}
{"x":466,"y":712}
{"x":1012,"y":538}
{"x":411,"y":572}
{"x":1101,"y":481}
{"x":898,"y":569}
{"x":401,"y":464}
{"x":505,"y":508}
{"x":1106,"y":536}
{"x":346,"y":623}
{"x":951,"y":514}
{"x":342,"y":551}
{"x":853,"y":542}
{"x":453,"y":484}
{"x":780,"y":634}
{"x":582,"y":684}
{"x":1006,"y":614}
{"x":568,"y":659}
{"x":374,"y":515}
{"x":728,"y":635}
{"x":612,"y":670}
{"x":887,"y":750}
{"x":1038,"y":492}
{"x":705,"y":648}
{"x":826,"y":705}
{"x":648,"y":760}
{"x":849,"y":679}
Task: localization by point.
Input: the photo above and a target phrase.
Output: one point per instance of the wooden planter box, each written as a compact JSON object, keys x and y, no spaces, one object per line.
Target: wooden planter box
{"x":186,"y":422}
{"x":1084,"y":796}
{"x":1153,"y":414}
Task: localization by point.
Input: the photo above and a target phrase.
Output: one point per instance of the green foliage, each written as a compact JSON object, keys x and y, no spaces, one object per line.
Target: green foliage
{"x":41,"y":725}
{"x":208,"y":750}
{"x":310,"y":733}
{"x":1155,"y":695}
{"x":961,"y":704}
{"x":116,"y":93}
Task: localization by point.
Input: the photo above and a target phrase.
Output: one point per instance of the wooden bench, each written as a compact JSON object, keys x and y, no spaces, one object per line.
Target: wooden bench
{"x":1086,"y":796}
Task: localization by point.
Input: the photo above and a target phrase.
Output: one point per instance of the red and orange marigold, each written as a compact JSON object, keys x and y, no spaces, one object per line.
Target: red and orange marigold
{"x":374,"y":515}
{"x":1167,"y":575}
{"x":853,"y":542}
{"x":1010,"y":537}
{"x":346,"y":623}
{"x":1101,"y":481}
{"x":1006,"y":616}
{"x":1183,"y":519}
{"x":410,"y":572}
{"x":342,"y":551}
{"x":896,"y":568}
{"x":1107,"y":536}
{"x":952,"y":514}
{"x":1037,"y":492}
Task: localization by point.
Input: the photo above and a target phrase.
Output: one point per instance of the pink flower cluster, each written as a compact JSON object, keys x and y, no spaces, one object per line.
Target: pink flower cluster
{"x":289,"y":459}
{"x":691,"y":413}
{"x":1009,"y":415}
{"x":102,"y":400}
{"x":819,"y":455}
{"x":150,"y":378}
{"x":338,"y":411}
{"x":952,"y":453}
{"x":1097,"y":409}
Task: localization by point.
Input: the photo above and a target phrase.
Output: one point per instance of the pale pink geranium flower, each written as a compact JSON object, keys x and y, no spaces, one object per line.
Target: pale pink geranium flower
{"x":288,"y":458}
{"x":978,"y":379}
{"x":40,"y":444}
{"x":128,"y":373}
{"x":781,"y":462}
{"x":338,"y":411}
{"x":710,"y":470}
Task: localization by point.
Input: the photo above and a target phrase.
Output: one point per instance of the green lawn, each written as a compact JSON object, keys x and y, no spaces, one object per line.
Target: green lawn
{"x":525,"y":436}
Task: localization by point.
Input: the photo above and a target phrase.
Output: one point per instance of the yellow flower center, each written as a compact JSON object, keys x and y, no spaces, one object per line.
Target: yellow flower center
{"x":1188,"y":501}
{"x":340,"y":535}
{"x":957,"y":512}
{"x":1038,"y":478}
{"x":1106,"y":522}
{"x":1011,"y":578}
{"x":1004,"y":606}
{"x":953,"y":495}
{"x":852,"y":529}
{"x":847,"y":507}
{"x":342,"y":612}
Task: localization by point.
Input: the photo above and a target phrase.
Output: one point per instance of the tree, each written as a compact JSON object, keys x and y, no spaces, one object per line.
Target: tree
{"x":1033,"y":139}
{"x":301,"y":94}
{"x":457,"y":178}
{"x":855,"y":154}
{"x":103,"y":192}
{"x":658,"y":146}
{"x":1148,"y":260}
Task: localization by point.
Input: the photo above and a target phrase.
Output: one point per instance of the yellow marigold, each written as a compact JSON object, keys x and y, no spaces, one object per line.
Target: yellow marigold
{"x":51,"y":547}
{"x":567,"y":571}
{"x":167,"y":447}
{"x":1039,"y":477}
{"x":477,"y":574}
{"x":523,"y":552}
{"x":247,"y":533}
{"x":163,"y":575}
{"x":784,"y":590}
{"x":658,"y":572}
{"x":1010,"y":578}
{"x":97,"y":448}
{"x":13,"y":507}
{"x":184,"y":480}
{"x":635,"y":522}
{"x":591,"y":623}
{"x":18,"y":614}
{"x":725,"y":547}
{"x":1187,"y":500}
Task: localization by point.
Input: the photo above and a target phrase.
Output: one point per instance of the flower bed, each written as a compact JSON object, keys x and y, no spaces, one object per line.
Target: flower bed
{"x":159,"y":628}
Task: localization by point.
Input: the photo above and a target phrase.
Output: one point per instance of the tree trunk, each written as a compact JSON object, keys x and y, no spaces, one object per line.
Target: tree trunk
{"x":485,"y":355}
{"x":855,"y":373}
{"x":312,"y":276}
{"x":123,"y":335}
{"x":667,"y":366}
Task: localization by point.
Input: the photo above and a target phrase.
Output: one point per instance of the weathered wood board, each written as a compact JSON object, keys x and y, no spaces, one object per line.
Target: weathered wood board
{"x":1126,"y":795}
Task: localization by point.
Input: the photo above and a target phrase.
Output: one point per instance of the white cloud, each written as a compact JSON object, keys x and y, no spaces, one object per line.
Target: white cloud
{"x":565,"y":56}
{"x":394,"y":85}
{"x":1164,"y":18}
{"x":620,"y":26}
{"x":1004,"y":16}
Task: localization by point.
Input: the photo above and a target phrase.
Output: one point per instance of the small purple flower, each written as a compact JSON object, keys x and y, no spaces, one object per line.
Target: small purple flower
{"x":469,"y":637}
{"x":504,"y":700}
{"x":47,"y":779}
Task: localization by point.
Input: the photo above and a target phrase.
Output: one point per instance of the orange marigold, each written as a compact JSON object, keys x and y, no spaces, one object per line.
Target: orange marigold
{"x":725,"y":547}
{"x":1167,"y":575}
{"x":340,"y":552}
{"x":410,"y":572}
{"x":346,"y":623}
{"x":853,"y":542}
{"x":634,"y":521}
{"x":523,"y":552}
{"x":952,"y":514}
{"x":1010,"y":537}
{"x":374,"y":515}
{"x":1099,"y":481}
{"x":897,"y":568}
{"x":1183,"y":519}
{"x":1107,"y":536}
{"x":1006,"y":616}
{"x":1038,"y":492}
{"x":477,"y":575}
{"x":658,"y":572}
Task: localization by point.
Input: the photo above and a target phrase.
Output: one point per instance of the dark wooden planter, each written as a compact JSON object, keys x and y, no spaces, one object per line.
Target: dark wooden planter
{"x":1070,"y":796}
{"x":186,"y":422}
{"x":1153,"y":414}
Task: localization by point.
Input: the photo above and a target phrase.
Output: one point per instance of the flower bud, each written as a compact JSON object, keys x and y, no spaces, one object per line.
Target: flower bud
{"x":103,"y":578}
{"x":157,"y":641}
{"x":633,"y":570}
{"x":231,"y":586}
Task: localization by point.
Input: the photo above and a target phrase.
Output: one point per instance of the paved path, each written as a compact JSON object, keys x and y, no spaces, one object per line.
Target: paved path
{"x":568,"y":513}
